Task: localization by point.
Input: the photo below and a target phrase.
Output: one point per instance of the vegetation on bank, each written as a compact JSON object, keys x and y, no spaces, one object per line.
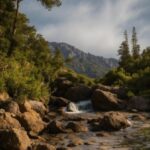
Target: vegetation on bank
{"x":133,"y":72}
{"x":76,"y":78}
{"x":27,"y":67}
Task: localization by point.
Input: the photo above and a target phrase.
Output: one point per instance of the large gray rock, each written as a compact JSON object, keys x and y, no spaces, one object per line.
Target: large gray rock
{"x":106,"y":101}
{"x":78,"y":93}
{"x":14,"y":139}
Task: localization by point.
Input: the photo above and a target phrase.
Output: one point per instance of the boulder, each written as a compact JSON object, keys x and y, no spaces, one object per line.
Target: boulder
{"x":105,"y":101}
{"x":14,"y":139}
{"x":119,"y":91}
{"x":76,"y":127}
{"x":62,"y":85}
{"x":55,"y":127}
{"x":31,"y":121}
{"x":138,"y":103}
{"x":10,"y":106}
{"x":8,"y":121}
{"x":39,"y":107}
{"x":78,"y":93}
{"x":43,"y":146}
{"x":113,"y":121}
{"x":58,"y":102}
{"x":25,"y":106}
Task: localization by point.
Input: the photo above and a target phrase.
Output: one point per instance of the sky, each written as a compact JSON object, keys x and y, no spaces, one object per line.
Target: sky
{"x":94,"y":26}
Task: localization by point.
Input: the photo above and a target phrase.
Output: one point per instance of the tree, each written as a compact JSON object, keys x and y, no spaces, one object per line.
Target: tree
{"x":124,"y":52}
{"x":135,"y":46}
{"x":49,"y":3}
{"x":46,"y":3}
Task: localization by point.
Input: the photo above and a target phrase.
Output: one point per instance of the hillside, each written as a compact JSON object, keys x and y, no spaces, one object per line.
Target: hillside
{"x":84,"y":63}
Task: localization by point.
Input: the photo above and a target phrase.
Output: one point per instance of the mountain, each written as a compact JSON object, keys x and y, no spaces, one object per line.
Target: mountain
{"x":84,"y":63}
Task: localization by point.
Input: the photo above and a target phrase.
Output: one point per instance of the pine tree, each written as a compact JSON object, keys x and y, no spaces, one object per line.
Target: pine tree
{"x":124,"y":52}
{"x":135,"y":46}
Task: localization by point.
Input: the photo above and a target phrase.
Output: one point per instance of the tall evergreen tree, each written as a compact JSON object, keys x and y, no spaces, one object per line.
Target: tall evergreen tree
{"x":124,"y":52}
{"x":135,"y":45}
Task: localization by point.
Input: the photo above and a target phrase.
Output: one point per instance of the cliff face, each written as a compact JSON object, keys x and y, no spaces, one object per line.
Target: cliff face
{"x":85,"y":63}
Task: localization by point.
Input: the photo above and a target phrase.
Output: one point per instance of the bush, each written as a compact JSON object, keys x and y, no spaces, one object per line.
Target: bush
{"x":76,"y":78}
{"x":115,"y":77}
{"x":22,"y":82}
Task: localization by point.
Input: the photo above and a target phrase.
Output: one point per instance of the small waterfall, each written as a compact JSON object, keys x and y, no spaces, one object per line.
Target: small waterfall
{"x":85,"y":106}
{"x":72,"y":107}
{"x":80,"y":107}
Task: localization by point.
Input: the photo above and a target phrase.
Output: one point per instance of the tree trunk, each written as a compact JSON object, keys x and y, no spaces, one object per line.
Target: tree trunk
{"x":13,"y":28}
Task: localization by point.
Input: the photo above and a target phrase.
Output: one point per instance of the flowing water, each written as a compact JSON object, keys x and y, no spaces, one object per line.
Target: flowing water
{"x":135,"y":137}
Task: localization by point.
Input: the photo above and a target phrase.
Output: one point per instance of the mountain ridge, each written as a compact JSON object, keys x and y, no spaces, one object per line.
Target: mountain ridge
{"x":82,"y":62}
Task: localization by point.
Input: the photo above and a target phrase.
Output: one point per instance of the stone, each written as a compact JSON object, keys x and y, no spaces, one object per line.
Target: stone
{"x":8,"y":120}
{"x":79,"y":93}
{"x":62,"y":85}
{"x":10,"y":106}
{"x":105,"y":101}
{"x":14,"y":139}
{"x":76,"y":127}
{"x":39,"y":107}
{"x":113,"y":121}
{"x":138,"y":117}
{"x":138,"y":103}
{"x":43,"y":146}
{"x":58,"y":102}
{"x":55,"y":127}
{"x":31,"y":121}
{"x":25,"y":106}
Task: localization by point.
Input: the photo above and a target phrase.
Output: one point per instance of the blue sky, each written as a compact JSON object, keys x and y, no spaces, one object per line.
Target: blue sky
{"x":94,"y":26}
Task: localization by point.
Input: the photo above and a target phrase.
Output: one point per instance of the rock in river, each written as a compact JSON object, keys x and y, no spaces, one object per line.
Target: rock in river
{"x":106,"y":101}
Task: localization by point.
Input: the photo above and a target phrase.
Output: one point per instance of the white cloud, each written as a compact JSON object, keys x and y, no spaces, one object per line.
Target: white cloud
{"x":88,"y":25}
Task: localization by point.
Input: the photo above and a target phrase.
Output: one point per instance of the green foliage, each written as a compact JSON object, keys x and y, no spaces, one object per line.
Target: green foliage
{"x":76,"y":78}
{"x":49,"y":3}
{"x":29,"y":71}
{"x":116,"y":77}
{"x":130,"y":94}
{"x":133,"y":71}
